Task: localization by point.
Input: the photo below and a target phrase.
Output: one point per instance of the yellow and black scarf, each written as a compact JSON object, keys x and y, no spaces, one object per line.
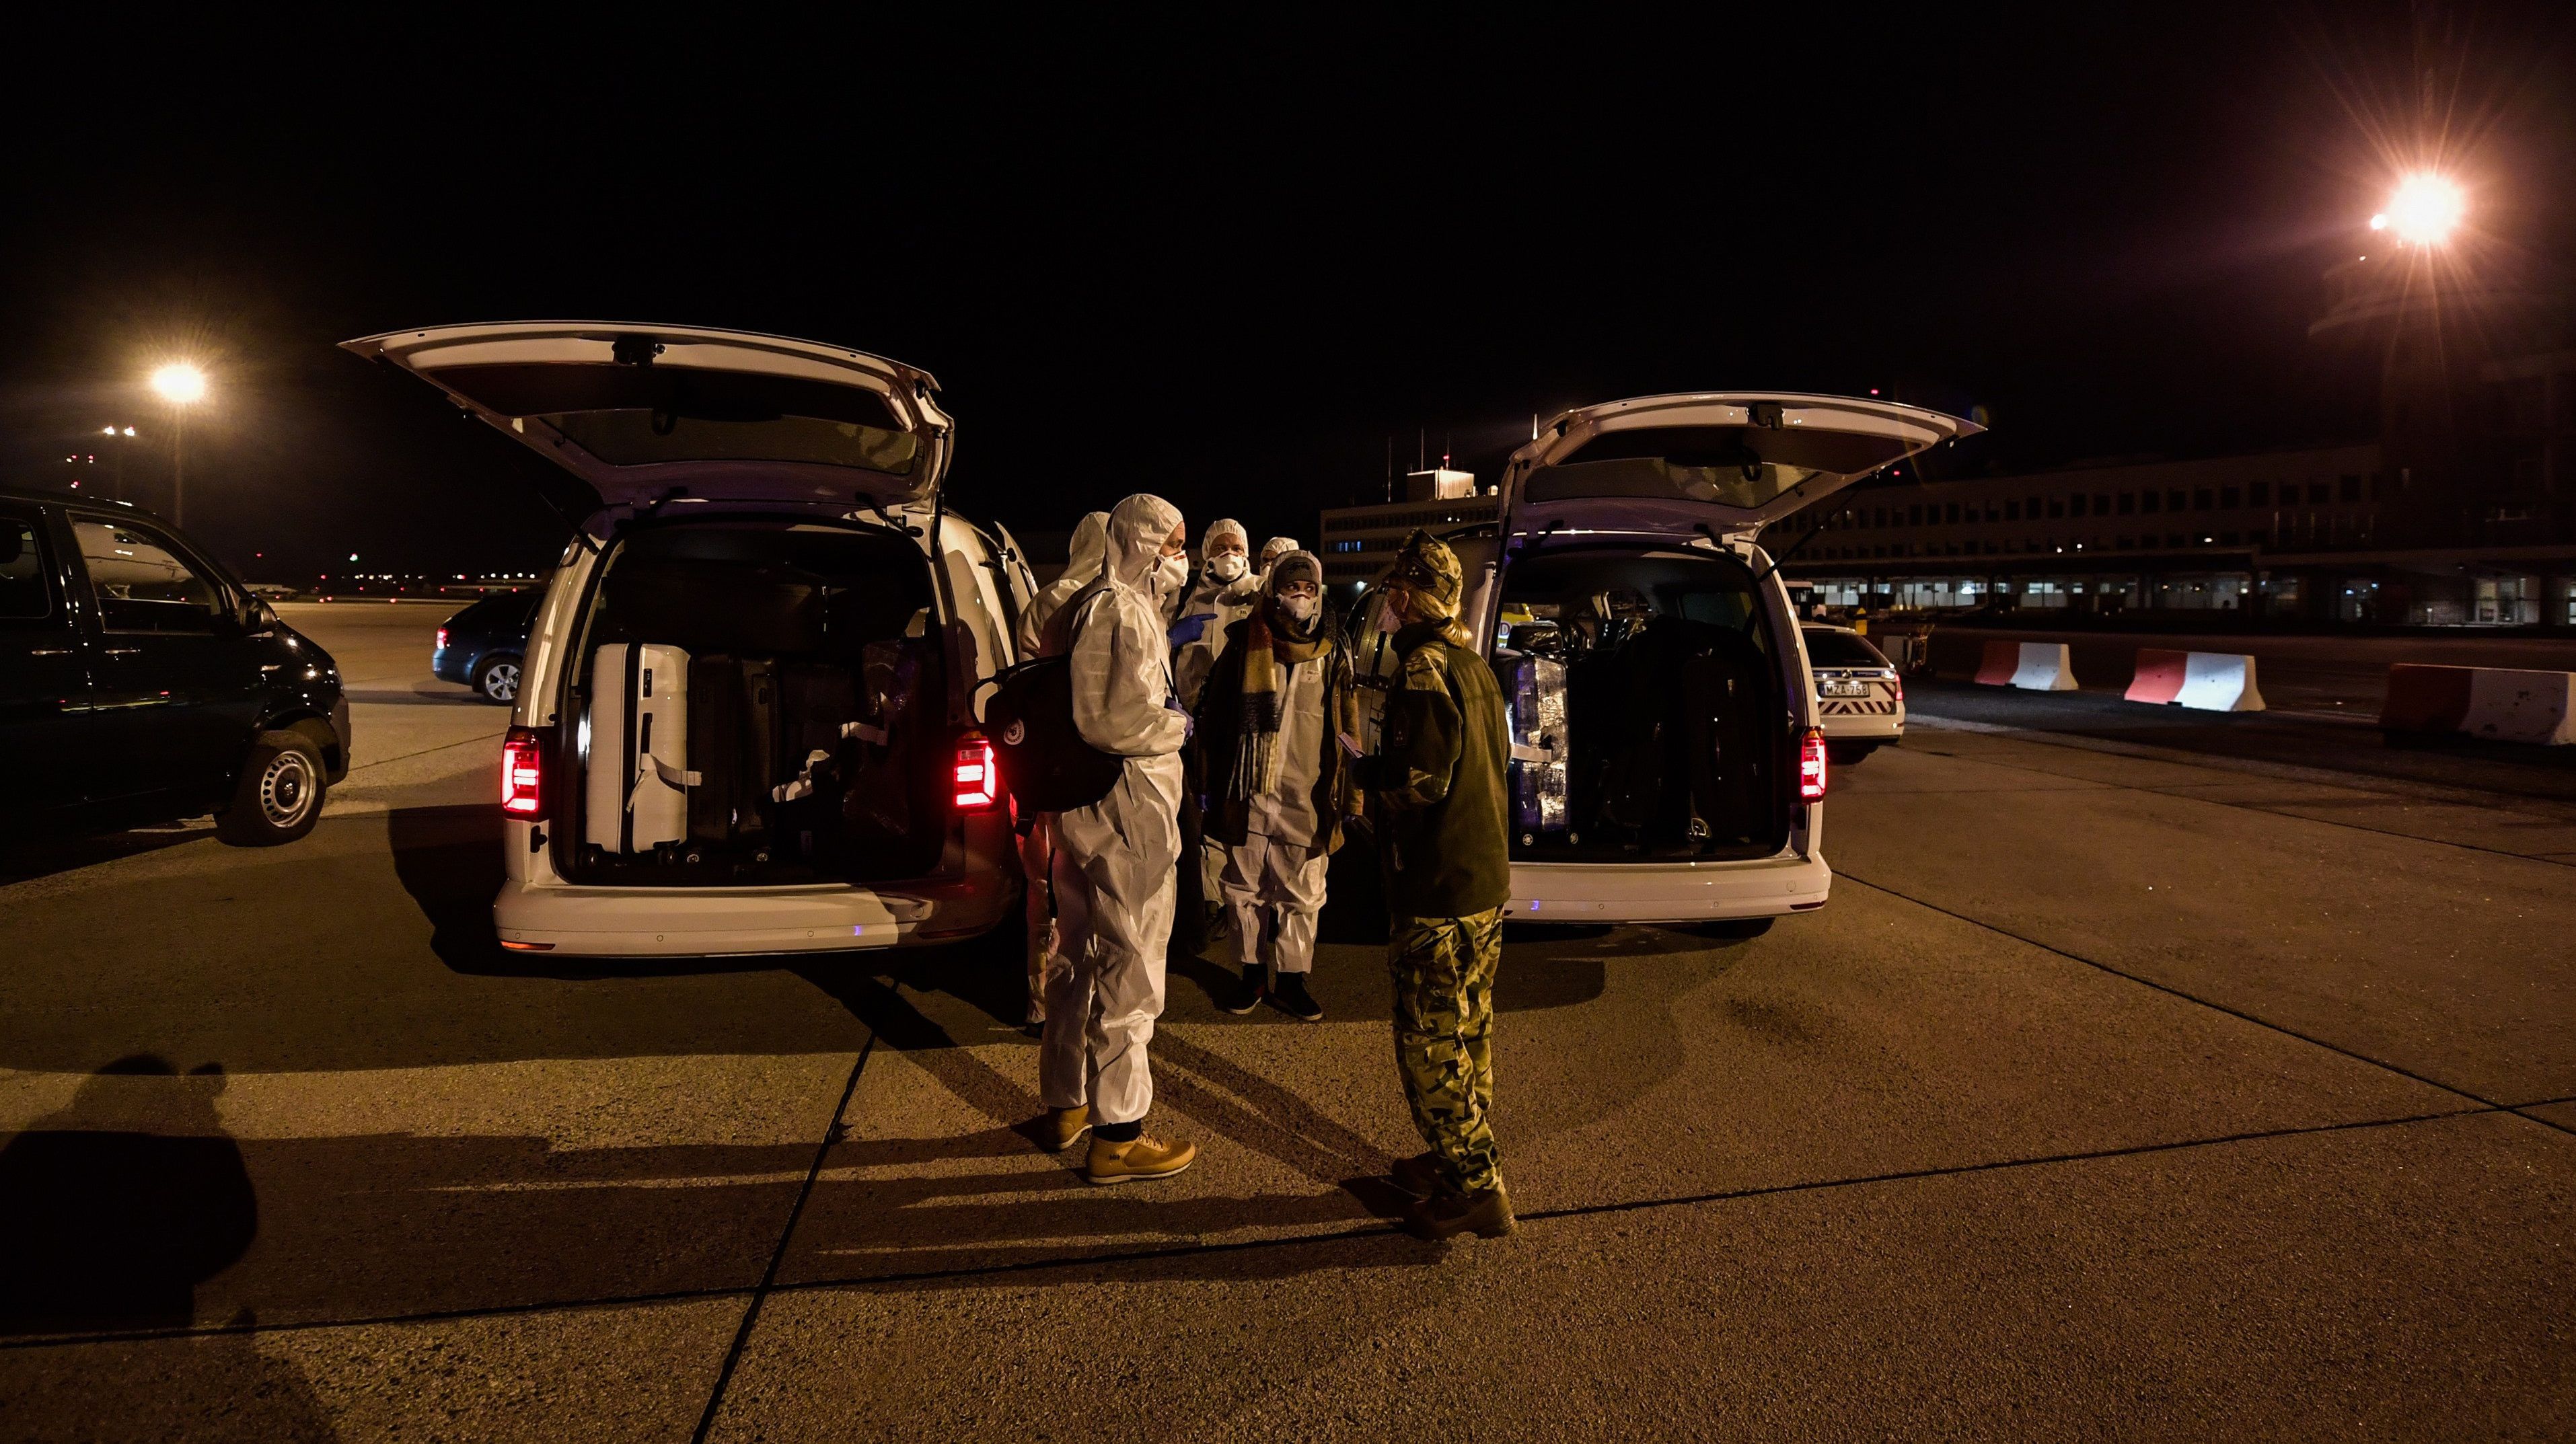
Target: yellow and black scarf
{"x":1272,"y":641}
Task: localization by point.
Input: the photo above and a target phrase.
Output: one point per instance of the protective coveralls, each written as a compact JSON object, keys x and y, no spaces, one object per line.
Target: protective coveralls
{"x":1279,"y":787}
{"x":1272,"y":550}
{"x":1217,"y":601}
{"x":1085,"y":557}
{"x":1114,"y":859}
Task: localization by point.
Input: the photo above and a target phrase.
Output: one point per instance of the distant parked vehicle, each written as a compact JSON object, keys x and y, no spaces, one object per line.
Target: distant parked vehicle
{"x":141,"y":682}
{"x":1860,"y":700}
{"x":483,"y":645}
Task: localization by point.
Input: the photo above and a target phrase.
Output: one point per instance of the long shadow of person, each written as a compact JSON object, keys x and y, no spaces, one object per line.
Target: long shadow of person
{"x":117,"y":1207}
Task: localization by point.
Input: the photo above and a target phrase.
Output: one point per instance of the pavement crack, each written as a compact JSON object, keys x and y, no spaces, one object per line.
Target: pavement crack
{"x":833,"y":1133}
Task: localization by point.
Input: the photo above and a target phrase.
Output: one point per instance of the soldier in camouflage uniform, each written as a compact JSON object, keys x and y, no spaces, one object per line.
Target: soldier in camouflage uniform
{"x":1436,"y":802}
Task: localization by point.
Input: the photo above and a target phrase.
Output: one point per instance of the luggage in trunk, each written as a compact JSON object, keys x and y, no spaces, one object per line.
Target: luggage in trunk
{"x":733,"y":732}
{"x":638,"y":777}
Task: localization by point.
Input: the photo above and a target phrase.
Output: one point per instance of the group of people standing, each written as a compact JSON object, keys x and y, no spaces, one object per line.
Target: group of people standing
{"x":1229,"y":690}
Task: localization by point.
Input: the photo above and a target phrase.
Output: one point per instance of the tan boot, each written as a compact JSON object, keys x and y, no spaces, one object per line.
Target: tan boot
{"x":1061,"y":1126}
{"x":1487,"y":1213}
{"x":1144,"y":1157}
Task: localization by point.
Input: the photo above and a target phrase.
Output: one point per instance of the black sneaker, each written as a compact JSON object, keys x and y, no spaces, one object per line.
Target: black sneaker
{"x":1246,"y":996}
{"x":1289,"y":996}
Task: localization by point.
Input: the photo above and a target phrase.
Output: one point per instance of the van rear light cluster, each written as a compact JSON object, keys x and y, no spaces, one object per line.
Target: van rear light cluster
{"x":978,"y":778}
{"x":523,"y":775}
{"x":442,"y":639}
{"x":1811,"y":767}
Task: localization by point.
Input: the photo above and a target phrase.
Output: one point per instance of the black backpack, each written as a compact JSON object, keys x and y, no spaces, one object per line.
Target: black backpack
{"x":1029,"y":718}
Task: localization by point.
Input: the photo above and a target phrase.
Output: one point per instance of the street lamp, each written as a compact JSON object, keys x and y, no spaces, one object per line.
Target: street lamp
{"x":183,"y":386}
{"x":2424,"y":211}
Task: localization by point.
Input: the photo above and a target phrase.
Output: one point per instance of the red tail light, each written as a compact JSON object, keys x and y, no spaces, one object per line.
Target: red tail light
{"x":442,"y":639}
{"x":1898,"y":683}
{"x":1811,"y":767}
{"x":523,"y":775}
{"x":978,"y":779}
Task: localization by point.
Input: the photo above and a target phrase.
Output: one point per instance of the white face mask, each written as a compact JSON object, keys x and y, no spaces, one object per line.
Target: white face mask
{"x":1170,"y":573}
{"x":1227,"y":566}
{"x":1302,"y":608}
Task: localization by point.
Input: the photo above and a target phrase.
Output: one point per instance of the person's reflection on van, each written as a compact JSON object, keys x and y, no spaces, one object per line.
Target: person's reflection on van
{"x":117,"y":1207}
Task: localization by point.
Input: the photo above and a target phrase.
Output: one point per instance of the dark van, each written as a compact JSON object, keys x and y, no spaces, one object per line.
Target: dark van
{"x":140,"y":681}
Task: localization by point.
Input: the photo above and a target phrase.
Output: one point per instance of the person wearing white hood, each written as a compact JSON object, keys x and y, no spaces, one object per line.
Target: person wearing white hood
{"x":1272,"y":550}
{"x":1216,"y":603}
{"x":1088,"y":553}
{"x":1115,"y":860}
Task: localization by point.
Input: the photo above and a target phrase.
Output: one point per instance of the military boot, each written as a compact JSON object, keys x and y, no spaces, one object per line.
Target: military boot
{"x":1487,"y":1213}
{"x":1418,"y":1175}
{"x":1143,"y":1157}
{"x":1061,"y":1126}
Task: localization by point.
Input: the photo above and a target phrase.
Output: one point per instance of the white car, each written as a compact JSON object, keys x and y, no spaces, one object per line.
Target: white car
{"x":1859,"y":697}
{"x":768,"y":572}
{"x":1668,"y":754}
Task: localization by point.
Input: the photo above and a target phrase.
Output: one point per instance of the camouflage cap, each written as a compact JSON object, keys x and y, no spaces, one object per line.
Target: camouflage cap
{"x":1426,"y":564}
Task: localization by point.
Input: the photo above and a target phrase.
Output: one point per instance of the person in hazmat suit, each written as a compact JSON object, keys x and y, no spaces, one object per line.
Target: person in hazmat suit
{"x":1436,"y":805}
{"x":1221,"y":597}
{"x":1271,"y":551}
{"x":1277,"y":780}
{"x":1114,"y":860}
{"x":1084,"y":558}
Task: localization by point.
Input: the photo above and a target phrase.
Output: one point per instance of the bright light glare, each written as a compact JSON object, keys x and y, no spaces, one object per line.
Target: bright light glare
{"x":2425,"y":209}
{"x":180,"y":382}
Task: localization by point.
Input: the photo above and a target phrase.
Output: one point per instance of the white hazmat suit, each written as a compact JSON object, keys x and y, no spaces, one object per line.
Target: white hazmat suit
{"x":1216,"y":603}
{"x":1114,"y":860}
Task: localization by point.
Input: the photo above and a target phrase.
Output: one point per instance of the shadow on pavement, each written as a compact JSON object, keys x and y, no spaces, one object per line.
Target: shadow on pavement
{"x":45,"y":856}
{"x":118,"y":1206}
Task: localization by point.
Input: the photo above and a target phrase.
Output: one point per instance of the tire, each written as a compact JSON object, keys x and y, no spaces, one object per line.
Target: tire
{"x":1849,"y":754}
{"x":497,"y":680}
{"x":280,"y":794}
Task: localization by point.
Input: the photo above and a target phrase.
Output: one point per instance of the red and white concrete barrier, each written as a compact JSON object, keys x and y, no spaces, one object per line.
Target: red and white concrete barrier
{"x":2031,"y":666}
{"x":2205,"y":681}
{"x":2499,"y":704}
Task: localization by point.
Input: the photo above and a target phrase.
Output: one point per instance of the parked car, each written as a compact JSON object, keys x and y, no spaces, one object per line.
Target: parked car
{"x":1859,"y":697}
{"x":1668,"y":755}
{"x":481,"y":646}
{"x":141,"y":682}
{"x":747,"y":712}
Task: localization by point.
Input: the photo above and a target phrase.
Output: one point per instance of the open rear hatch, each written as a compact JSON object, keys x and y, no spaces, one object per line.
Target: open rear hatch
{"x":648,"y":414}
{"x":1644,"y":659}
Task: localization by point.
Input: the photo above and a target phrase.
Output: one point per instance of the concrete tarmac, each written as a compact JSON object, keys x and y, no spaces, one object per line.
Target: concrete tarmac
{"x":2121,"y":1091}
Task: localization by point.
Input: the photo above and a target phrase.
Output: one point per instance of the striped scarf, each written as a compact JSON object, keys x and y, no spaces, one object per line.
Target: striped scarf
{"x":1270,"y":644}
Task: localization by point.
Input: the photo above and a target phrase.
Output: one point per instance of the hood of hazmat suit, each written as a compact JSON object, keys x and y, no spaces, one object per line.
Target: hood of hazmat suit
{"x":1088,"y":553}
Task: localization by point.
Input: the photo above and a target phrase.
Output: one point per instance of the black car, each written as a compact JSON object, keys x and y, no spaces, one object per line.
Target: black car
{"x":481,"y":646}
{"x":140,"y":681}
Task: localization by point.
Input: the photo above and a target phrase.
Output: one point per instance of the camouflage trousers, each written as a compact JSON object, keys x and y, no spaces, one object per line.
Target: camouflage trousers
{"x":1444,"y":1035}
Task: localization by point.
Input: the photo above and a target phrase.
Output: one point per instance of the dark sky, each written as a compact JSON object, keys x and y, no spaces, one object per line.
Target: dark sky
{"x":1219,"y":262}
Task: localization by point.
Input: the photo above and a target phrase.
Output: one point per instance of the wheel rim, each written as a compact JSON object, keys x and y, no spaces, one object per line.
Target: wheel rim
{"x":286,"y":789}
{"x":501,"y":681}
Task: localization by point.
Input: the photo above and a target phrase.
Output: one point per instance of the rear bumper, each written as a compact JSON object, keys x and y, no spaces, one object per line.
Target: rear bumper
{"x":1666,"y":892}
{"x":448,"y":664}
{"x":723,"y":922}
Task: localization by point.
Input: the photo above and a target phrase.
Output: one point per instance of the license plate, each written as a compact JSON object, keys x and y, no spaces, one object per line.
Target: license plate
{"x":1844,"y":689}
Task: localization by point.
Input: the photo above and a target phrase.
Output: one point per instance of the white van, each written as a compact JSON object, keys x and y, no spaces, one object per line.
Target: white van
{"x":1668,"y":758}
{"x":768,"y":574}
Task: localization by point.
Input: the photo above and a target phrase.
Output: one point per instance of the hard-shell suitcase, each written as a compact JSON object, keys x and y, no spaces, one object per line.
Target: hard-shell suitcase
{"x":636,"y":789}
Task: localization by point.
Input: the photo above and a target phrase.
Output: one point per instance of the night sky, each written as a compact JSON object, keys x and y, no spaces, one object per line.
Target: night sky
{"x":1227,"y":264}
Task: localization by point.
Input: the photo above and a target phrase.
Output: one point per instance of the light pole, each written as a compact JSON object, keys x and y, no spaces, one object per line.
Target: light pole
{"x":183,"y":386}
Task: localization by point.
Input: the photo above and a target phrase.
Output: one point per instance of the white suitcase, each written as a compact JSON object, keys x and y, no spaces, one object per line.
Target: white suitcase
{"x":638,"y":776}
